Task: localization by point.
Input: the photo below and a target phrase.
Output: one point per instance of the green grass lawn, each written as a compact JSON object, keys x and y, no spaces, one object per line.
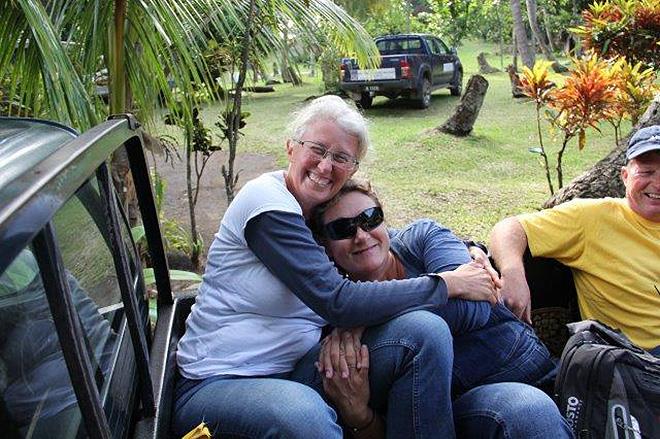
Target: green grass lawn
{"x":467,"y":184}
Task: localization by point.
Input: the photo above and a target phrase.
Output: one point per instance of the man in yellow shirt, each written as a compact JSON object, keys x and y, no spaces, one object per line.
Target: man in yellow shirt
{"x":611,"y":245}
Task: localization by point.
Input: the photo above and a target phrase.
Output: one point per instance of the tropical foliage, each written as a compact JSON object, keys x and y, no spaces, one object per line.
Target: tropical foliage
{"x":634,"y":92}
{"x":535,"y":84}
{"x":596,"y":90}
{"x":629,"y":28}
{"x":586,"y":98}
{"x":51,"y":51}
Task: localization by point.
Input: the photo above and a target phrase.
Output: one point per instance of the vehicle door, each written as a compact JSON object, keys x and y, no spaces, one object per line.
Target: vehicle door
{"x":447,"y":61}
{"x":74,"y":311}
{"x":435,"y":61}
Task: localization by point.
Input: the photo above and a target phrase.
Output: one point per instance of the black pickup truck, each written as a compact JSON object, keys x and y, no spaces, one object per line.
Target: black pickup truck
{"x":412,"y":66}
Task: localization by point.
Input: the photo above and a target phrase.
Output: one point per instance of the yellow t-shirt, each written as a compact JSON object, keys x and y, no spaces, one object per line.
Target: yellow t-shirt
{"x":615,"y":258}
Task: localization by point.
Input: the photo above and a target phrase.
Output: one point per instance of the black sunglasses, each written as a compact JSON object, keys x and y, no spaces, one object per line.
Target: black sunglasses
{"x":344,"y":228}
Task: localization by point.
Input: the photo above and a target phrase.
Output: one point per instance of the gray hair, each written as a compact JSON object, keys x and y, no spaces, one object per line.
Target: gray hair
{"x":334,"y":109}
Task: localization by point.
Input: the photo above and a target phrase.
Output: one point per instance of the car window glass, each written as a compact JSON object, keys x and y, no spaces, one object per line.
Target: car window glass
{"x":37,"y":398}
{"x":83,"y":234}
{"x":136,"y":251}
{"x":132,"y":232}
{"x":439,"y":49}
{"x":442,"y":46}
{"x":432,"y":46}
{"x":399,"y":45}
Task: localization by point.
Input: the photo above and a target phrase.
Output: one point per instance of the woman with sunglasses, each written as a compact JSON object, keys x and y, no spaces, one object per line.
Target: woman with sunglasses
{"x":246,"y":360}
{"x":504,"y":350}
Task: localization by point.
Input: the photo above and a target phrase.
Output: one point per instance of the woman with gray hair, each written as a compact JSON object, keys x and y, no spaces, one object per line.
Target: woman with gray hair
{"x":247,"y":358}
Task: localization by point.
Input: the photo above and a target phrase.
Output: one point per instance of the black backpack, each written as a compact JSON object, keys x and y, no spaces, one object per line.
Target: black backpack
{"x":608,"y":388}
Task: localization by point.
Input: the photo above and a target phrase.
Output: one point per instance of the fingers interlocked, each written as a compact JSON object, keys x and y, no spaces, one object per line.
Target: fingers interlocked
{"x":341,"y":352}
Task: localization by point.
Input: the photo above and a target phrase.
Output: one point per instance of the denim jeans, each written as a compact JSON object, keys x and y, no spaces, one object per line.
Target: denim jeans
{"x":410,"y":377}
{"x":506,"y":349}
{"x":268,"y":407}
{"x":508,"y":410}
{"x":410,"y":360}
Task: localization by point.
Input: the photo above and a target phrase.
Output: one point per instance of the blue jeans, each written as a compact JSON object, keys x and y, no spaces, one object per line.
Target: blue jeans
{"x":410,"y":376}
{"x":508,"y":410}
{"x":236,"y":407}
{"x":506,"y":349}
{"x":410,"y":361}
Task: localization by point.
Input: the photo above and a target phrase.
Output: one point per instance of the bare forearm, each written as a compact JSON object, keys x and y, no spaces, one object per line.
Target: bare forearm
{"x":508,"y":242}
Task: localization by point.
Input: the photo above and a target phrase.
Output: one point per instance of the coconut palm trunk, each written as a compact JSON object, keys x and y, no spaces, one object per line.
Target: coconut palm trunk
{"x":538,"y":36}
{"x":525,"y":51}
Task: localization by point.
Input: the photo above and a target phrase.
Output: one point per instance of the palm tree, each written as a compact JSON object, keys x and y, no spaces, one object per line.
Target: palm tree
{"x":51,"y":50}
{"x":526,"y":53}
{"x":538,"y":36}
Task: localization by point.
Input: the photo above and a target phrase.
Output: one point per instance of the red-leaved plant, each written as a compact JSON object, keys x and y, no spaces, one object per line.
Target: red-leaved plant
{"x":586,"y":98}
{"x":535,"y":84}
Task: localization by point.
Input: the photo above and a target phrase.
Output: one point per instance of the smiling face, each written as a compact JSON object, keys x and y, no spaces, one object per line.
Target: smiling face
{"x":365,"y":255}
{"x":641,"y":176}
{"x":312,"y":181}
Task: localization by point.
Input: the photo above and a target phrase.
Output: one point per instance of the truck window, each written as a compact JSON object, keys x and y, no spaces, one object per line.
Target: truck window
{"x":437,"y":47}
{"x":443,"y":46}
{"x":399,"y":45}
{"x":37,"y":398}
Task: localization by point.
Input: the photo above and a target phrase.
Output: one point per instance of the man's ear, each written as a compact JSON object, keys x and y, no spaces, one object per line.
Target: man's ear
{"x":289,"y":148}
{"x":624,"y":174}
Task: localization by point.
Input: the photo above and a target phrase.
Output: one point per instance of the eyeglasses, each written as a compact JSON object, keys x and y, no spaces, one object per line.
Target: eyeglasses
{"x":344,"y":228}
{"x":320,"y":151}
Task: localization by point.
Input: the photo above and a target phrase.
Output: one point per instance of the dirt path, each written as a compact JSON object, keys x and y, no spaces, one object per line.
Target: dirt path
{"x":212,"y":201}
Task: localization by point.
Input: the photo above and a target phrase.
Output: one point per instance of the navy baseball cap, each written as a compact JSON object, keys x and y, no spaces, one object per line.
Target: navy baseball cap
{"x":645,"y":140}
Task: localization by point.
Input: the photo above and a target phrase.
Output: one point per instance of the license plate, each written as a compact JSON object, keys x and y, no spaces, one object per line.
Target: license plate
{"x":372,"y":88}
{"x":373,"y":74}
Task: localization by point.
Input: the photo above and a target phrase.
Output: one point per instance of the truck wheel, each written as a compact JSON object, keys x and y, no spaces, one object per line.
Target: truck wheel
{"x":457,"y":87}
{"x":424,"y":94}
{"x":365,"y":101}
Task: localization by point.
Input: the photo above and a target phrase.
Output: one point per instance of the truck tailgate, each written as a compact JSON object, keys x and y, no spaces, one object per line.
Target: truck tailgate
{"x":390,"y":68}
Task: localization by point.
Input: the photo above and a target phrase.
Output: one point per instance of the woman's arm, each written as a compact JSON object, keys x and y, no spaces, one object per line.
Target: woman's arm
{"x":286,"y":247}
{"x":284,"y":244}
{"x":437,"y":249}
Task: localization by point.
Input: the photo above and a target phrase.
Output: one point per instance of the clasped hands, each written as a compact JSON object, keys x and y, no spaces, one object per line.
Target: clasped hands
{"x":344,"y":367}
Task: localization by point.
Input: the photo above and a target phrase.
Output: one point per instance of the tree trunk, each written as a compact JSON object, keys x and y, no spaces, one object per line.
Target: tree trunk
{"x":515,"y":82}
{"x":546,"y":24}
{"x":534,"y":24}
{"x":292,"y":76}
{"x":484,"y":67}
{"x":465,"y":115}
{"x":234,"y":119}
{"x":194,"y":234}
{"x":603,"y":179}
{"x":526,"y":53}
{"x":121,"y":175}
{"x":501,"y":39}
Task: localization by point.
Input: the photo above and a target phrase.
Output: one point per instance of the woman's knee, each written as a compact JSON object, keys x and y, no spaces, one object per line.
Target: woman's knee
{"x":509,"y":410}
{"x":420,"y":337}
{"x":417,"y":327}
{"x":259,"y":408}
{"x":302,"y":413}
